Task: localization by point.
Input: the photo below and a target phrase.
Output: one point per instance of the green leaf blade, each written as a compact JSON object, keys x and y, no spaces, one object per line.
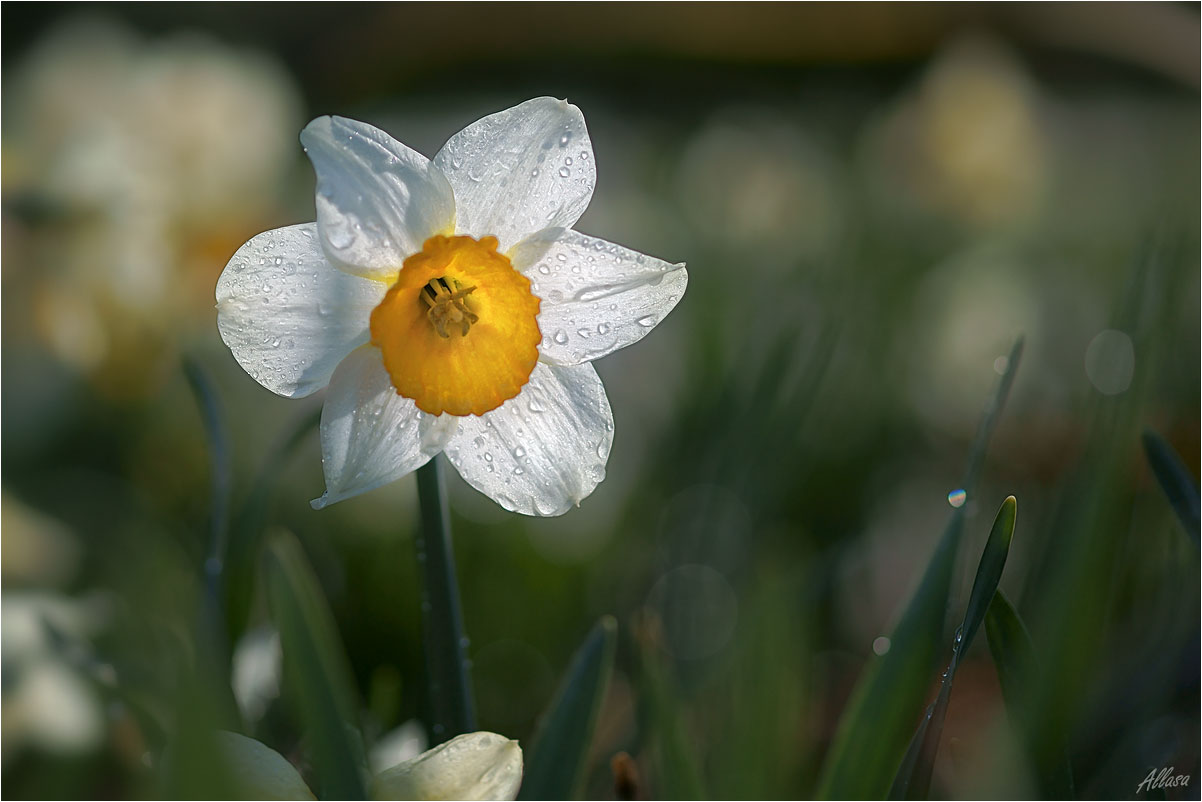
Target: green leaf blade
{"x":877,"y":724}
{"x":913,"y":780}
{"x":317,"y":668}
{"x":1017,"y":667}
{"x":1175,"y":480}
{"x":557,"y":763}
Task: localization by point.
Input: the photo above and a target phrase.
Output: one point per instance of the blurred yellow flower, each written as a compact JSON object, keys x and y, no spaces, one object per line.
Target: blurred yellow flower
{"x":449,"y":306}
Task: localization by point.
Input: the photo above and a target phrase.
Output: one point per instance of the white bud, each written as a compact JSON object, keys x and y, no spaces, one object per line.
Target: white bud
{"x":479,"y":765}
{"x":258,"y":771}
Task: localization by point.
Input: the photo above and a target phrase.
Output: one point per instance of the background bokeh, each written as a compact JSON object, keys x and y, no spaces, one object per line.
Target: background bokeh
{"x":873,"y":202}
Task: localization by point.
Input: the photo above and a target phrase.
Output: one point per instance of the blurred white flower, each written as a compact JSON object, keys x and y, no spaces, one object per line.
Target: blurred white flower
{"x":134,"y":164}
{"x":968,"y":143}
{"x":49,"y":703}
{"x":398,"y":745}
{"x":37,"y":549}
{"x":258,"y":771}
{"x":450,"y":307}
{"x":256,"y":667}
{"x":752,"y":181}
{"x":478,"y":765}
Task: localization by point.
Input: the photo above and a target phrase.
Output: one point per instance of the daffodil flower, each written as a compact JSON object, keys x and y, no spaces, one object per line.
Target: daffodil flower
{"x":449,"y":306}
{"x":478,"y":765}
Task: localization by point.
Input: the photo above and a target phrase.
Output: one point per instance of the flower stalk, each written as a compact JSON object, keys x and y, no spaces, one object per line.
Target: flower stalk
{"x":452,"y":705}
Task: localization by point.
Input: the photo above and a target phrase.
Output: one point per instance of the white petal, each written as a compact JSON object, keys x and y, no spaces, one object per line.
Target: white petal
{"x":520,"y":171}
{"x":596,"y":296}
{"x":377,"y":200}
{"x":543,"y":451}
{"x":478,"y":765}
{"x":258,"y":771}
{"x":371,"y":436}
{"x":287,"y":314}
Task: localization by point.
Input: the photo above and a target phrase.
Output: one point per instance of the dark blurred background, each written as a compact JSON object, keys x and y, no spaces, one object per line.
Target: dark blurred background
{"x":874,"y":201}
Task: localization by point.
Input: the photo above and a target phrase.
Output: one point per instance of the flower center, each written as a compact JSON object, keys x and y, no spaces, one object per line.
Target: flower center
{"x":456,"y":287}
{"x":447,"y":301}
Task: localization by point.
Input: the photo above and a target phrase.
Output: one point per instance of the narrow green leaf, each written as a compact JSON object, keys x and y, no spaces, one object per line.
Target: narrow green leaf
{"x":678,"y":770}
{"x":248,"y":526}
{"x":876,"y":725}
{"x":213,"y":643}
{"x":1017,"y":667}
{"x":913,"y":780}
{"x":452,"y":704}
{"x":316,"y":669}
{"x":1175,"y":480}
{"x":989,"y":572}
{"x":556,"y":765}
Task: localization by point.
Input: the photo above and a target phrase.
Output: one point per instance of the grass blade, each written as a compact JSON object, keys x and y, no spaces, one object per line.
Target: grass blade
{"x":1175,"y":480}
{"x":214,"y":645}
{"x":678,"y":770}
{"x":870,"y":743}
{"x":557,"y":763}
{"x":913,"y":780}
{"x":249,"y":526}
{"x":1014,"y":657}
{"x":316,"y":668}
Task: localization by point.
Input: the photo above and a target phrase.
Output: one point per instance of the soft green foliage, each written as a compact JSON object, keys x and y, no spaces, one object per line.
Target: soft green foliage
{"x":1017,"y":670}
{"x":1175,"y":480}
{"x":315,"y":667}
{"x":913,"y":780}
{"x":557,"y":761}
{"x":874,"y":729}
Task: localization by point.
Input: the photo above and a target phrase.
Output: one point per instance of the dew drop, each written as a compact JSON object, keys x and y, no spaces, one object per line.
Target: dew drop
{"x":564,"y":172}
{"x":647,"y":321}
{"x":603,"y":328}
{"x":561,"y":337}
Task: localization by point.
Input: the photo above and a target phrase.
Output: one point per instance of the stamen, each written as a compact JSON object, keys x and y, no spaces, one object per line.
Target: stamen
{"x":446,"y":301}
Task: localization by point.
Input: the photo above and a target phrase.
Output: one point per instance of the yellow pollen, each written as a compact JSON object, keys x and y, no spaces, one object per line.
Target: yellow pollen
{"x":458,"y":331}
{"x":447,"y":305}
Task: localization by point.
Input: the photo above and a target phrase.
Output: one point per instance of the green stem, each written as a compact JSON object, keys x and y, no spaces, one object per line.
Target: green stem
{"x":453,"y":709}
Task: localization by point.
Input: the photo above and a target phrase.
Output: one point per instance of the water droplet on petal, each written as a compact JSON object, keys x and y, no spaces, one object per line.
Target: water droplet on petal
{"x":647,"y":321}
{"x":561,"y":337}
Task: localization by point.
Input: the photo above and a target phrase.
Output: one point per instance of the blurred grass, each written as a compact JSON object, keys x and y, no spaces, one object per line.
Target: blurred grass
{"x":785,"y":436}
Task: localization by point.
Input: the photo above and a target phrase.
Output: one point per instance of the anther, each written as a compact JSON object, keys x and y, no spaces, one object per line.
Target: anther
{"x":446,"y":301}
